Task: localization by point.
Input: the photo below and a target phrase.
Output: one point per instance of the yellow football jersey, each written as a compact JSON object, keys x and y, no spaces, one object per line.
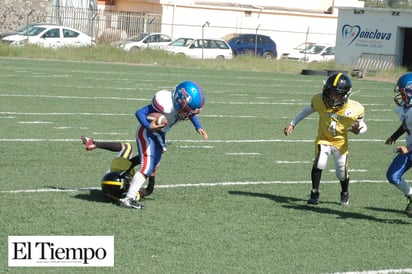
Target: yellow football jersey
{"x":334,"y":124}
{"x":120,"y":164}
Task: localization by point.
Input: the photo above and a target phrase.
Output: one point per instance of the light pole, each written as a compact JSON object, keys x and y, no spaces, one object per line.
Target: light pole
{"x":306,"y":45}
{"x":256,"y":39}
{"x":27,"y":24}
{"x":206,"y":24}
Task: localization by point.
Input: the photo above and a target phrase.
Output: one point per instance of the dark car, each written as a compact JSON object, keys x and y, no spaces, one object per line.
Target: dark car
{"x":252,"y":44}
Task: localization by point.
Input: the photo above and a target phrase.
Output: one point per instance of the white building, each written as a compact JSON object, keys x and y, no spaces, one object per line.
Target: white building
{"x":289,"y":23}
{"x":374,"y":38}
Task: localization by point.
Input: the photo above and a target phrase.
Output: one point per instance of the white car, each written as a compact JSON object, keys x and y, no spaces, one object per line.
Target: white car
{"x":296,"y":50}
{"x":314,"y":53}
{"x":50,"y":36}
{"x":208,"y":48}
{"x":144,"y":41}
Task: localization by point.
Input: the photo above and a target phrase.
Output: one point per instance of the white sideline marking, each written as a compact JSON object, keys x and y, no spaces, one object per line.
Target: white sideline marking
{"x":386,"y":271}
{"x":193,"y":141}
{"x":35,"y":122}
{"x":293,"y":162}
{"x":128,"y":114}
{"x":57,"y":189}
{"x":242,"y":153}
{"x":63,"y":113}
{"x":352,"y":170}
{"x":195,"y":146}
{"x":290,"y":102}
{"x":74,"y":97}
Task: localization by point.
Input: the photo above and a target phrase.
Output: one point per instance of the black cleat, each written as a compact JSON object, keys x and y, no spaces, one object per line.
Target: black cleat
{"x":344,"y":198}
{"x":130,"y":203}
{"x":314,"y":198}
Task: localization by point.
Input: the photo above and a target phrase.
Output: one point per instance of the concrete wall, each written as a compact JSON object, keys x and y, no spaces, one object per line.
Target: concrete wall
{"x":15,"y":13}
{"x":287,"y":29}
{"x":374,"y":31}
{"x":289,"y":23}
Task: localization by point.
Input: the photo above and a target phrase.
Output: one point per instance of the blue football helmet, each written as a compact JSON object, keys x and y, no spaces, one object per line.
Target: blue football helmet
{"x":188,"y":99}
{"x":336,"y":90}
{"x":404,"y":89}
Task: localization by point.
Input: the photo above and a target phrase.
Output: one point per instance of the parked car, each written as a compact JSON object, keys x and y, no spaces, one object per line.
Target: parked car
{"x":314,"y":53}
{"x":299,"y":48}
{"x":252,"y":44}
{"x":51,"y":36}
{"x":17,"y":31}
{"x":207,"y":48}
{"x":143,"y":41}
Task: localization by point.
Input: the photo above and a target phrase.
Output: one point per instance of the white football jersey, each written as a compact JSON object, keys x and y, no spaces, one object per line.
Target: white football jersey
{"x":163,"y":102}
{"x":405,"y":115}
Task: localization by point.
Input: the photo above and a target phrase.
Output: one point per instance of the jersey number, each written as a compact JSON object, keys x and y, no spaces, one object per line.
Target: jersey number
{"x":332,"y":128}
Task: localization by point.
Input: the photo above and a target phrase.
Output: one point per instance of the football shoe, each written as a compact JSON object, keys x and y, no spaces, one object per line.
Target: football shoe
{"x":314,"y":198}
{"x":130,"y":203}
{"x":88,"y":143}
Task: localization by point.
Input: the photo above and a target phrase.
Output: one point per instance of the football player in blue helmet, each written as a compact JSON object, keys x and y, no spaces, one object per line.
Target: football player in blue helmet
{"x":188,"y":99}
{"x":403,"y":90}
{"x":403,"y":159}
{"x":184,"y":102}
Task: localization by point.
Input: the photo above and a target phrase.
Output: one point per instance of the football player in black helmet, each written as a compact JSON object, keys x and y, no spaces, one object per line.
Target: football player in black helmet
{"x":336,"y":91}
{"x":337,"y":116}
{"x":115,"y":183}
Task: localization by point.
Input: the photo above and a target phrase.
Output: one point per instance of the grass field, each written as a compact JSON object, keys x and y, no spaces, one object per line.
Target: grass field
{"x":233,"y":204}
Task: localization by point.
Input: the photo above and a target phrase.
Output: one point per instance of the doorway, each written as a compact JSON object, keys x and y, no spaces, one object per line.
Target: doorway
{"x":407,"y":49}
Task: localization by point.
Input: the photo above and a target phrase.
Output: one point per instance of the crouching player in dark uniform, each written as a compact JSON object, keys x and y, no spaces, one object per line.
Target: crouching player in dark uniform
{"x":115,"y":183}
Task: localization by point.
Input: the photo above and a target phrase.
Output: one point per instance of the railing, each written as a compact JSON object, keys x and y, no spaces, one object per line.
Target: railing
{"x":370,"y":61}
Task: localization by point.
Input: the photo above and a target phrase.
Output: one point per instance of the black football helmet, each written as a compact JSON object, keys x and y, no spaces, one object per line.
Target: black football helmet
{"x":336,"y":90}
{"x":116,"y":184}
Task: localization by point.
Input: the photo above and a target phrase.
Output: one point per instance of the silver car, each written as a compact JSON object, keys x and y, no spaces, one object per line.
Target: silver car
{"x":144,"y":41}
{"x":207,"y":48}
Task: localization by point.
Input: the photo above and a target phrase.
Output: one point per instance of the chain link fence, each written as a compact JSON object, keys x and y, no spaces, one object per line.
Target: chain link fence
{"x":107,"y":26}
{"x":104,"y":26}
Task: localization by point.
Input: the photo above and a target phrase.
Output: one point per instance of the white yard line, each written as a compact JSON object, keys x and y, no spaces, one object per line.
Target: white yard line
{"x":221,"y":184}
{"x":386,"y":271}
{"x":190,"y":141}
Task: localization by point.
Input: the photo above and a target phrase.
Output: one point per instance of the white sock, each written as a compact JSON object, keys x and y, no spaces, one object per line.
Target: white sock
{"x":137,"y":182}
{"x":404,"y":187}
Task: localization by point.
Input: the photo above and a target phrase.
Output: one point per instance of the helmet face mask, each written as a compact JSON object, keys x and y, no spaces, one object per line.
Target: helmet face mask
{"x":336,"y":91}
{"x":403,"y":89}
{"x":188,"y":99}
{"x":185,"y":112}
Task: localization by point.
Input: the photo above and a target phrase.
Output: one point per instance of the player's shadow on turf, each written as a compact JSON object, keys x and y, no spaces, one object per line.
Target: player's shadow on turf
{"x":98,"y":196}
{"x":345,"y":214}
{"x":291,"y":203}
{"x":276,"y":198}
{"x":94,"y":196}
{"x":379,"y":209}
